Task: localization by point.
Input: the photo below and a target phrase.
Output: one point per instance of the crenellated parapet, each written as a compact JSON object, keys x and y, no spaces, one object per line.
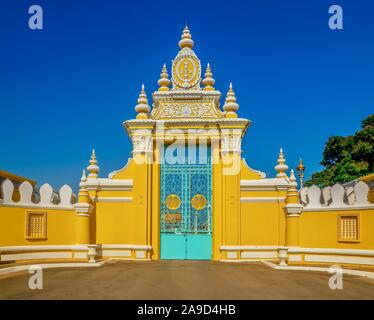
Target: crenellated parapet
{"x":44,"y":197}
{"x":335,"y":197}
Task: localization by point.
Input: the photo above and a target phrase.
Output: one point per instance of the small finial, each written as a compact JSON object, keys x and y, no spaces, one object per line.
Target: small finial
{"x":231,"y":105}
{"x":164,"y":81}
{"x":292,"y":194}
{"x":186,"y":39}
{"x":292,"y":176}
{"x":142,"y":108}
{"x":83,"y":179}
{"x":208,"y":80}
{"x":281,"y":167}
{"x":83,"y":195}
{"x":93,"y":168}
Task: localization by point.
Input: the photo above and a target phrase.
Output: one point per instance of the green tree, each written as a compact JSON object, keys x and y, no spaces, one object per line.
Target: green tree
{"x":347,"y":158}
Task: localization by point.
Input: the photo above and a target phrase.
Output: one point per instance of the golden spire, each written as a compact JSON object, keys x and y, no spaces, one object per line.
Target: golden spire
{"x":186,"y":39}
{"x":300,"y":169}
{"x":142,"y":108}
{"x":281,"y":167}
{"x":83,"y":196}
{"x":230,"y":105}
{"x":164,"y":81}
{"x":208,"y":81}
{"x":93,"y":168}
{"x":292,"y":194}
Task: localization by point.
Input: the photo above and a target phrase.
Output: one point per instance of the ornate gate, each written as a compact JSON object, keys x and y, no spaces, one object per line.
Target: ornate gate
{"x":186,"y":211}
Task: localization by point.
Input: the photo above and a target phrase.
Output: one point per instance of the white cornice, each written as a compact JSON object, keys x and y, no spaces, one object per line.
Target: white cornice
{"x":114,"y":199}
{"x":110,"y":184}
{"x":261,"y":199}
{"x":339,"y":208}
{"x":264,"y":184}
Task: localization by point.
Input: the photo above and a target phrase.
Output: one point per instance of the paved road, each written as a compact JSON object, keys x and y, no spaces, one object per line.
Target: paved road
{"x":184,"y":280}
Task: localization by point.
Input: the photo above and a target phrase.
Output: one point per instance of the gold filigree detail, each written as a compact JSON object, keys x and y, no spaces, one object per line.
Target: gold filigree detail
{"x":173,"y":202}
{"x":198,"y":202}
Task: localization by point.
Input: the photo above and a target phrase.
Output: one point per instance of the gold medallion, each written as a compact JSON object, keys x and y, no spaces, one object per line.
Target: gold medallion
{"x":173,"y":202}
{"x":186,"y":71}
{"x":198,"y":202}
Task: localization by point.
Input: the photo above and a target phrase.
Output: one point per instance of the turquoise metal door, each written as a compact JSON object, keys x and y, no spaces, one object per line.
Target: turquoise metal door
{"x":186,"y":212}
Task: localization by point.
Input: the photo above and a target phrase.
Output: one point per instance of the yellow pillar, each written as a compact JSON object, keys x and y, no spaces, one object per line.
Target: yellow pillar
{"x":83,"y":210}
{"x":293,"y":211}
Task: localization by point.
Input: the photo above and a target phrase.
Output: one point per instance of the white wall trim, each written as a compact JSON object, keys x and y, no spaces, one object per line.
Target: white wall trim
{"x":38,"y":206}
{"x":338,"y":259}
{"x":43,"y":248}
{"x":110,"y":184}
{"x":253,"y":248}
{"x":36,"y":256}
{"x":259,"y":255}
{"x":115,"y":199}
{"x":274,"y":184}
{"x":353,"y":252}
{"x":115,"y":253}
{"x":261,"y":199}
{"x":338,"y":208}
{"x":125,"y":246}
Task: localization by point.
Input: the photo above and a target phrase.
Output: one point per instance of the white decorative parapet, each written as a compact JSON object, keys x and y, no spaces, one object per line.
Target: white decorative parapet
{"x":330,"y":198}
{"x":45,"y":199}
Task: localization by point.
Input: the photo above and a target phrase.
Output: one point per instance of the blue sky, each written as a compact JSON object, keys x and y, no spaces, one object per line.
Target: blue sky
{"x":67,"y":88}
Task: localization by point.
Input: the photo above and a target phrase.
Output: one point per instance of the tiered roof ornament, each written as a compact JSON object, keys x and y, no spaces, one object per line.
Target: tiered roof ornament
{"x":281,"y":167}
{"x":184,"y":94}
{"x":230,"y":105}
{"x":208,"y":81}
{"x":93,"y":168}
{"x":142,"y":108}
{"x":164,"y":81}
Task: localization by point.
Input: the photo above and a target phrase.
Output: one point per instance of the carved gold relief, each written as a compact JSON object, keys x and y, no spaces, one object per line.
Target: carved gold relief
{"x":173,"y":202}
{"x":198,"y":202}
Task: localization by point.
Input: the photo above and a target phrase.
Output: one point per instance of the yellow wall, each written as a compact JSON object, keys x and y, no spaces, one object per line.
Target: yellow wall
{"x":320,"y":230}
{"x":60,"y":227}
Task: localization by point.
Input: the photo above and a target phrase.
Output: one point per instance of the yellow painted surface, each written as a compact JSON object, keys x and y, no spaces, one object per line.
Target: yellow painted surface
{"x":60,"y":227}
{"x":320,"y":230}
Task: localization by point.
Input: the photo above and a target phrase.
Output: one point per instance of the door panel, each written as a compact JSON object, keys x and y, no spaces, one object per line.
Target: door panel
{"x":186,"y":193}
{"x":199,"y":247}
{"x":173,"y":246}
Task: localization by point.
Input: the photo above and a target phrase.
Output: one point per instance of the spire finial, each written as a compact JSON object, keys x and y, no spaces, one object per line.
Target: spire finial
{"x":292,"y":194}
{"x":164,"y":81}
{"x":186,"y":39}
{"x":93,"y":168}
{"x":281,"y":167}
{"x":208,"y":81}
{"x":142,"y":108}
{"x":231,"y":105}
{"x":83,"y":182}
{"x":83,"y":195}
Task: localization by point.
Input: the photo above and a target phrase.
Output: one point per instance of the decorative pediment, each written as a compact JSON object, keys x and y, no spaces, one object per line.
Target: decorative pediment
{"x":186,"y":110}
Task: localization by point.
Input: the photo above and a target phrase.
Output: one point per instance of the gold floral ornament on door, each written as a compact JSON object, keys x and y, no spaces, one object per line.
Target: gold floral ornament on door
{"x":173,"y":202}
{"x":198,"y":202}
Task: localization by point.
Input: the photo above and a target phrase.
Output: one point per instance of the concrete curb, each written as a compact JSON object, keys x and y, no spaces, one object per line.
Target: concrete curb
{"x":359,"y":273}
